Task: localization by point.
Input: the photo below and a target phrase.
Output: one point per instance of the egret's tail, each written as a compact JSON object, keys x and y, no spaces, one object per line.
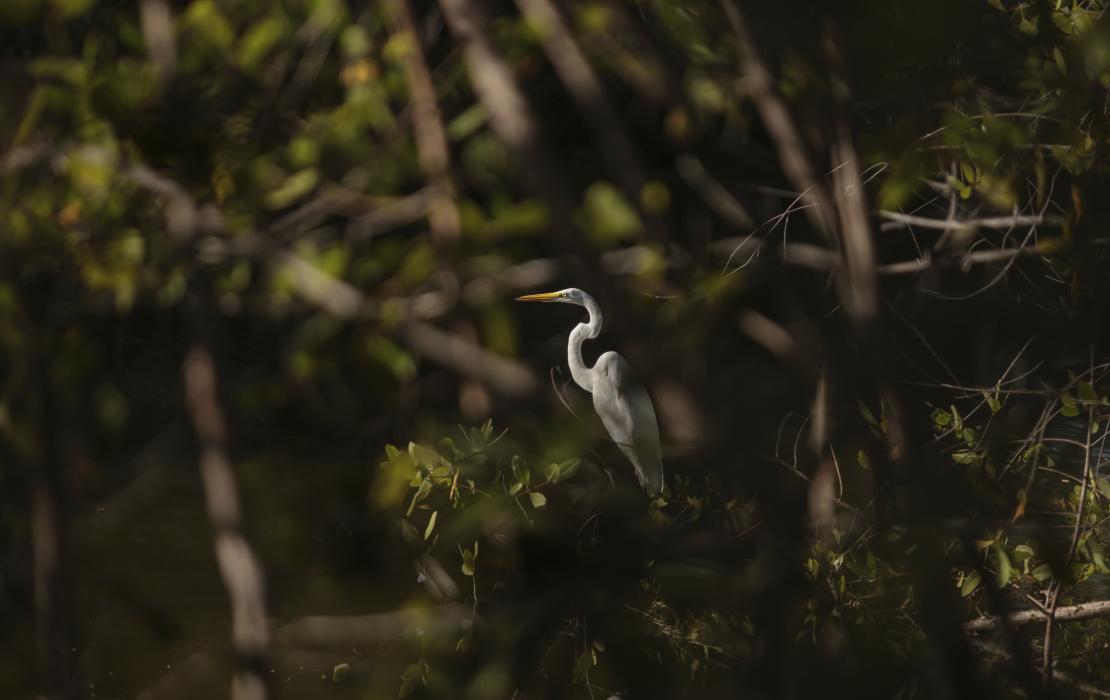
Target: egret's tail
{"x":648,"y":466}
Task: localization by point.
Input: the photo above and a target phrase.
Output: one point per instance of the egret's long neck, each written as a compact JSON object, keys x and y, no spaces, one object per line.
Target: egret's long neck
{"x":583,"y":376}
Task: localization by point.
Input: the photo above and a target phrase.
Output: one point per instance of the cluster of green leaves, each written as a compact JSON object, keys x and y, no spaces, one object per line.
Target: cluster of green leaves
{"x":470,"y":501}
{"x":1065,"y":455}
{"x":462,"y":474}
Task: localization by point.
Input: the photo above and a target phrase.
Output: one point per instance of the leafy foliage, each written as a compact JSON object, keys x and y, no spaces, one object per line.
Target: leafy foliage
{"x":348,"y":200}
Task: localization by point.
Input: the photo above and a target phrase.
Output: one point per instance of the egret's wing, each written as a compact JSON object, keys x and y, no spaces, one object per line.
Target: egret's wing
{"x":627,"y":413}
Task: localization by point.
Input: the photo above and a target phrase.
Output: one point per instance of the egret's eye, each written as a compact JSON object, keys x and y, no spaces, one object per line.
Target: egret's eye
{"x":564,"y":295}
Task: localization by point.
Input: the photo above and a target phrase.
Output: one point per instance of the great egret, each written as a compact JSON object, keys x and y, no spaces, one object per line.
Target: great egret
{"x":619,"y":399}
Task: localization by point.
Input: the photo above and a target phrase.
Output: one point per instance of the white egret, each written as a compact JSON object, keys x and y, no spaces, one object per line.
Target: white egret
{"x":619,"y":399}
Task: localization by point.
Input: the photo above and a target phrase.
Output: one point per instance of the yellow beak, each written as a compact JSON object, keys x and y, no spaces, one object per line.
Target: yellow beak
{"x":545,"y":296}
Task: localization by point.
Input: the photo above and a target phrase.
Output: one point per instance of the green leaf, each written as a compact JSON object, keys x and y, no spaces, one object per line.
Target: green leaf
{"x":1022,"y":552}
{"x":538,"y":499}
{"x":967,"y":171}
{"x":1087,"y":392}
{"x":409,"y":533}
{"x":295,"y":186}
{"x":259,"y":40}
{"x":466,"y":642}
{"x":521,"y":472}
{"x":965,"y":457}
{"x":467,"y":123}
{"x":867,"y":414}
{"x":568,"y":468}
{"x":1042,"y":572}
{"x":864,"y":460}
{"x":1058,"y":57}
{"x":1069,"y":407}
{"x":607,"y":216}
{"x":1098,"y":558}
{"x":469,"y":563}
{"x":353,"y":42}
{"x":423,"y":456}
{"x":410,"y":677}
{"x":971,"y":582}
{"x":562,"y":471}
{"x":516,"y":488}
{"x":431,"y":525}
{"x":992,"y":401}
{"x":1002,"y":561}
{"x":942,"y":418}
{"x":391,"y":356}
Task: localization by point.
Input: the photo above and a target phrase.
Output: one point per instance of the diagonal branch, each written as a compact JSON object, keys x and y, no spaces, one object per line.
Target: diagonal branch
{"x":778,"y":122}
{"x":240,"y":570}
{"x":428,"y":130}
{"x":512,"y":120}
{"x":586,"y":91}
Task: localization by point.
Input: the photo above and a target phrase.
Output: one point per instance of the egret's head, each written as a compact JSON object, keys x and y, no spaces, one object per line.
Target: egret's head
{"x":571,"y":295}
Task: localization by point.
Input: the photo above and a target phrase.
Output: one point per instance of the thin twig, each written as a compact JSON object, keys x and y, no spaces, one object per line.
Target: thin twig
{"x":1054,"y":591}
{"x":900,"y":220}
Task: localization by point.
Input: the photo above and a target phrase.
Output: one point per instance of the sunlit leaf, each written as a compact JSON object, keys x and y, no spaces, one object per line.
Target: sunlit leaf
{"x":431,"y":525}
{"x":970,"y":583}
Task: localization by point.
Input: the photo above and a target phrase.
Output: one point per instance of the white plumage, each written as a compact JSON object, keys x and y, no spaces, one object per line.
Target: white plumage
{"x":620,"y":400}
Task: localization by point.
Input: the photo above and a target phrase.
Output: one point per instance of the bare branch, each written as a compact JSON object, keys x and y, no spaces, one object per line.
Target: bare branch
{"x":778,"y":122}
{"x":780,"y":343}
{"x":1091,"y":689}
{"x":158,"y":34}
{"x":715,"y":196}
{"x":586,"y":91}
{"x":506,"y":375}
{"x":493,"y":82}
{"x":24,"y":156}
{"x":347,"y":631}
{"x":1068,"y":613}
{"x":463,"y":356}
{"x":899,"y":220}
{"x":859,"y":283}
{"x":326,"y":291}
{"x":428,"y":130}
{"x":241,"y":573}
{"x":514,"y":124}
{"x":183,"y":217}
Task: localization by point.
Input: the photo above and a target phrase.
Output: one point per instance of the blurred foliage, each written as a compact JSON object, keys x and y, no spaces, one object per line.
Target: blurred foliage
{"x":266,"y":159}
